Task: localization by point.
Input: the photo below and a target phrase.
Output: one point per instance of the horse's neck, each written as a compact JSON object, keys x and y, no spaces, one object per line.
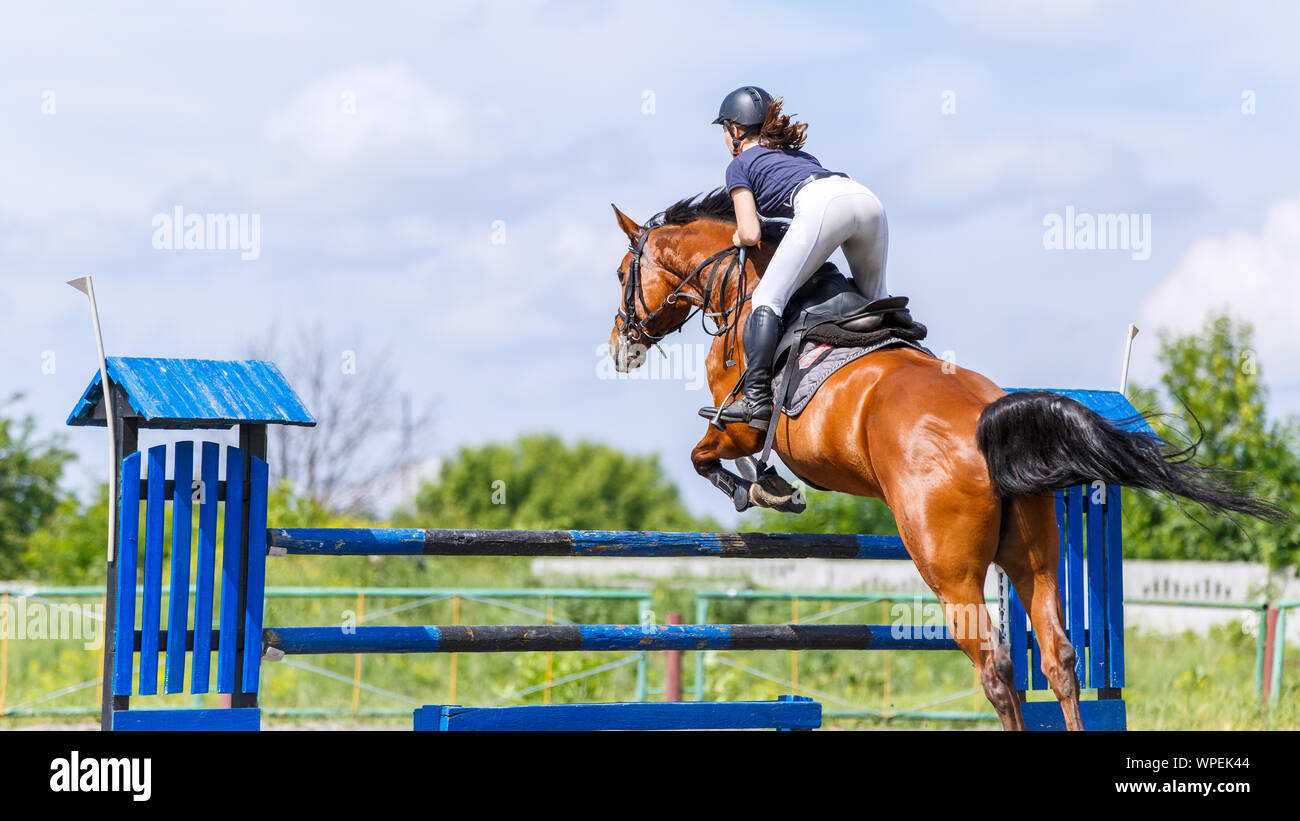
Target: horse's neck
{"x":722,"y":296}
{"x":724,"y":292}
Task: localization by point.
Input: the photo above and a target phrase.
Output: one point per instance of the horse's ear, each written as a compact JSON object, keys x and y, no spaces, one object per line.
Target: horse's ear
{"x":628,"y":225}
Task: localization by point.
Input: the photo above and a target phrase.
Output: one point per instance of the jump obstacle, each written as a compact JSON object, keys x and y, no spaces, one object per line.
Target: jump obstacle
{"x":192,"y":394}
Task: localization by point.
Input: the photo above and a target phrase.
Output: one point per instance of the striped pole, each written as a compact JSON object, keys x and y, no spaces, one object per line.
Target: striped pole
{"x":417,"y":542}
{"x":601,"y":637}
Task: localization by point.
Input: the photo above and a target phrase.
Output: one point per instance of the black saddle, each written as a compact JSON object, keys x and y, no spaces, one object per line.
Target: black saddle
{"x":829,"y":309}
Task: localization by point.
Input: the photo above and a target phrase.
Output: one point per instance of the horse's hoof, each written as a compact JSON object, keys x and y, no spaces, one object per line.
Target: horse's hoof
{"x":797,"y":503}
{"x":773,"y":492}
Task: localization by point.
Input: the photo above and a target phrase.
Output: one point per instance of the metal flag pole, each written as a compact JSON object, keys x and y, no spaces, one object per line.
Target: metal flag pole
{"x":87,"y":287}
{"x":1128,"y":353}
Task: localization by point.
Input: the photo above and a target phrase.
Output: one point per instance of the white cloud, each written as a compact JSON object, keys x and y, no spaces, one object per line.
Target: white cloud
{"x":919,"y":90}
{"x":370,"y":114}
{"x":552,"y":270}
{"x":1255,"y":275}
{"x":951,"y":170}
{"x":1033,"y":18}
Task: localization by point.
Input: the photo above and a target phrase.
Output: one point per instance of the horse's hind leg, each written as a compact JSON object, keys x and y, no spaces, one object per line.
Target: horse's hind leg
{"x":954,"y":560}
{"x":968,"y":619}
{"x":1028,"y":552}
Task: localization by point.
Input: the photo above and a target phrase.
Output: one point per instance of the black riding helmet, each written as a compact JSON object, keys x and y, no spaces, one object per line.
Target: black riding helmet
{"x":746,"y":105}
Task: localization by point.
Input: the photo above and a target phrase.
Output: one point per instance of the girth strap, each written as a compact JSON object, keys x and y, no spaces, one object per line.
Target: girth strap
{"x":779,"y":402}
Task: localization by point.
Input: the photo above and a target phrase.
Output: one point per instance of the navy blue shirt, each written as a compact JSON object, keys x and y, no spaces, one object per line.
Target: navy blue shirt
{"x":771,"y":174}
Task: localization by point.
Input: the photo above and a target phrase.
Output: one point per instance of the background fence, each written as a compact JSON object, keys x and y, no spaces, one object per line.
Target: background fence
{"x":50,"y":640}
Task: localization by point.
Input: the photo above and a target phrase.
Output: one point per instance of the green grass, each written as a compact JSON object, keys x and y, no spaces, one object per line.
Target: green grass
{"x":1174,"y":682}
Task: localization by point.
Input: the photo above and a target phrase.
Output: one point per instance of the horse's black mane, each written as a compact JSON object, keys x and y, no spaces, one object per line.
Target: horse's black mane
{"x":715,"y":205}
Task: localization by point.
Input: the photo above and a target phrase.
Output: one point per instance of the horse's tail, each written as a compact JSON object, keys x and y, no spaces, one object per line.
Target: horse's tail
{"x":1039,"y":441}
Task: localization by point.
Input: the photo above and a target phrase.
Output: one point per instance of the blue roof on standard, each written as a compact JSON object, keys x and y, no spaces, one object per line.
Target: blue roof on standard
{"x":188,"y":394}
{"x":1112,"y":406}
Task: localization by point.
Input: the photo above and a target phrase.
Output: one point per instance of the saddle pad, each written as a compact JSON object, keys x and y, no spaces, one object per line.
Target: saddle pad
{"x":817,"y":361}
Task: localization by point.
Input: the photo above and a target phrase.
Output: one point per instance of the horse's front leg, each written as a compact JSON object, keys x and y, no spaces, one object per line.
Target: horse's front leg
{"x":712,"y":449}
{"x":739,"y":442}
{"x":736,"y":442}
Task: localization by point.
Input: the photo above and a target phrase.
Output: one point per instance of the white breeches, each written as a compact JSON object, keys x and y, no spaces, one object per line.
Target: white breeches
{"x":829,"y":213}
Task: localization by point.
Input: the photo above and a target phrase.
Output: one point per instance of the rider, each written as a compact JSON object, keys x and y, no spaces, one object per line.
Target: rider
{"x":771,"y":176}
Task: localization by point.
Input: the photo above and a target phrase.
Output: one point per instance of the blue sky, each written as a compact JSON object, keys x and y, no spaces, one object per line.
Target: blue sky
{"x":384,"y":146}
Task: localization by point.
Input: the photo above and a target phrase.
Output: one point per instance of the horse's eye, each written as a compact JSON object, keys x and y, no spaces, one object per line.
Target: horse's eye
{"x":621,"y":276}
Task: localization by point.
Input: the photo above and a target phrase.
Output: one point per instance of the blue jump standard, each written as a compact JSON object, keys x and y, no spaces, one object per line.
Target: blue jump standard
{"x":225,"y":718}
{"x":416,"y":542}
{"x":790,"y":713}
{"x":182,"y":394}
{"x":602,"y":637}
{"x":1102,"y":714}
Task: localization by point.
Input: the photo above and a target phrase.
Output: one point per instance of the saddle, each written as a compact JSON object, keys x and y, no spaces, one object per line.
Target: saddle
{"x":829,"y":309}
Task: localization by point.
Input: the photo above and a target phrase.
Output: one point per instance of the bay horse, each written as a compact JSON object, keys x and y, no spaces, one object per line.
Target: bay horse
{"x":968,"y":470}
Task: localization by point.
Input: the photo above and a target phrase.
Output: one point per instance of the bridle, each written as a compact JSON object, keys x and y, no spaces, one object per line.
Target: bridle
{"x":638,"y":331}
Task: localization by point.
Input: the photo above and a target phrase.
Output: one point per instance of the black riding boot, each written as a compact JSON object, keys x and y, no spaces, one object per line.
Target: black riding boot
{"x":754,"y":405}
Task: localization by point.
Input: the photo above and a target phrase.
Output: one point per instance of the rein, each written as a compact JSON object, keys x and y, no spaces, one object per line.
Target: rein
{"x":636,"y":330}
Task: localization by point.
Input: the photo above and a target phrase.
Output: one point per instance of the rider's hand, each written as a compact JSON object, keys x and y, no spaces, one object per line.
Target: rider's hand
{"x":735,"y":238}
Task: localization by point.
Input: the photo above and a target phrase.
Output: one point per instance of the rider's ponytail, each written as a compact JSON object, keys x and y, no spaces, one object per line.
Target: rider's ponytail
{"x":779,"y":131}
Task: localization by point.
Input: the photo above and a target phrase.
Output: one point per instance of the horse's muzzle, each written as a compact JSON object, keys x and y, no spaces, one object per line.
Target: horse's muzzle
{"x":628,"y":356}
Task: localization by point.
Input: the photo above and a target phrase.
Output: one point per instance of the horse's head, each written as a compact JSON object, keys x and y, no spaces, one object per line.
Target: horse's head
{"x":652,"y":304}
{"x":682,"y":259}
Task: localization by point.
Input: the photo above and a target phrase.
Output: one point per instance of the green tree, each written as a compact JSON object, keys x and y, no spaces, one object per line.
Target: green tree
{"x":71,"y":547}
{"x":29,"y":494}
{"x":1214,"y":375}
{"x":539,"y":482}
{"x":827,"y":513}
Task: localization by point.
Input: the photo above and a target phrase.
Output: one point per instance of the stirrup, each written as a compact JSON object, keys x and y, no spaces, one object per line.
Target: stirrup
{"x":743,"y":411}
{"x":711,"y":413}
